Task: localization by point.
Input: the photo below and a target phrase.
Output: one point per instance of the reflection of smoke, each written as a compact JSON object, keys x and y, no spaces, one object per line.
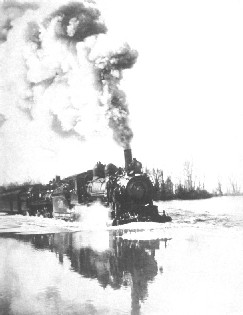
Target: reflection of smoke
{"x":57,"y":79}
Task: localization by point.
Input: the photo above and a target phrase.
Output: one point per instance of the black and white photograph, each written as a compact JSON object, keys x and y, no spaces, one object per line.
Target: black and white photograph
{"x":121,"y":158}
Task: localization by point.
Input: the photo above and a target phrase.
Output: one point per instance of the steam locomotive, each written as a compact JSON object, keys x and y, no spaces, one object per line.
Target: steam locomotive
{"x":127,"y":194}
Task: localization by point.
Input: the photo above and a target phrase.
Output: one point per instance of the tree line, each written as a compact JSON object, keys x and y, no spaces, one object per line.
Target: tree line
{"x":165,"y":189}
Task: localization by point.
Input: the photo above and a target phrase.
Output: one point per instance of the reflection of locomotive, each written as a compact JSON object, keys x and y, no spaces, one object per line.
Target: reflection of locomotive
{"x":127,"y":192}
{"x":122,"y":263}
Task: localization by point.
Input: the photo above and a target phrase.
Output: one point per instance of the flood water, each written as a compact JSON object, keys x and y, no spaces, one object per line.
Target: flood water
{"x":190,"y":266}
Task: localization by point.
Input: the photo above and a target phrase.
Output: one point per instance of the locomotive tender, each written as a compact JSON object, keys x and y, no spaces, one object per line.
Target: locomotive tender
{"x":127,"y":194}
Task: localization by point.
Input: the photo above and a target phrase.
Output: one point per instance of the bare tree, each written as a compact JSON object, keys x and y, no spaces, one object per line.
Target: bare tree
{"x":188,"y":173}
{"x":219,"y":189}
{"x":234,"y":187}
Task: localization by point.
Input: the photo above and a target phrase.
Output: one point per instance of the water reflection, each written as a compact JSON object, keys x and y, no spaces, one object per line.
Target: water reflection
{"x":113,"y":261}
{"x":125,"y":263}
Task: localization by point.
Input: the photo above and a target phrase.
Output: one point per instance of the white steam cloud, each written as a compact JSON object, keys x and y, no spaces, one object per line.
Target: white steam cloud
{"x":60,"y":84}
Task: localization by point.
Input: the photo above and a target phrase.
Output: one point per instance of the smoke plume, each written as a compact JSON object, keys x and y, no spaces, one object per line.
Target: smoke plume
{"x":60,"y":83}
{"x":109,"y":70}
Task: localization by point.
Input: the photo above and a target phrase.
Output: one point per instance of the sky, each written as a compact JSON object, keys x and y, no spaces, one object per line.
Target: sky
{"x":183,"y":89}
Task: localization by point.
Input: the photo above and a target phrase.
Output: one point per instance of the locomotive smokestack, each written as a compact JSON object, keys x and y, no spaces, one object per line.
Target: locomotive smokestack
{"x":128,"y":157}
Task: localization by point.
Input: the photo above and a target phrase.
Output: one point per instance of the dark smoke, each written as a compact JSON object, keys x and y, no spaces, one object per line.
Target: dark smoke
{"x":75,"y":22}
{"x":118,"y":119}
{"x":110,"y":74}
{"x":123,"y":59}
{"x":9,"y":11}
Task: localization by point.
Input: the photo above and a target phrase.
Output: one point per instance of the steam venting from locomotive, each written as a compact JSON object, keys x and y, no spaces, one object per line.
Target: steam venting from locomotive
{"x":61,"y":80}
